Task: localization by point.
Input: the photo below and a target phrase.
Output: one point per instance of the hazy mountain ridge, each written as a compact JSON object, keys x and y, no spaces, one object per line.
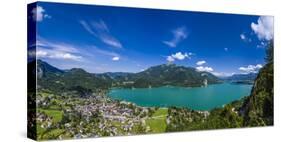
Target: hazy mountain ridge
{"x":249,"y":76}
{"x":241,"y":78}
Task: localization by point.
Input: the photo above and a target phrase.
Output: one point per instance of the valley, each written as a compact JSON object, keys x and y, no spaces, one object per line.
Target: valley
{"x":77,"y":104}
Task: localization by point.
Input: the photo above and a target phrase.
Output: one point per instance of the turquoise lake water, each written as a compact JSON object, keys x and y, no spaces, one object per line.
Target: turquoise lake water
{"x":197,"y":98}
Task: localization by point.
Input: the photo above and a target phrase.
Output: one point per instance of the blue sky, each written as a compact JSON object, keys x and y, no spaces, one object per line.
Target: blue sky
{"x":112,"y":39}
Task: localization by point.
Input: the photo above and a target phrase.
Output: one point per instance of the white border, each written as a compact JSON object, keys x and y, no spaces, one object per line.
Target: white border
{"x":13,"y":68}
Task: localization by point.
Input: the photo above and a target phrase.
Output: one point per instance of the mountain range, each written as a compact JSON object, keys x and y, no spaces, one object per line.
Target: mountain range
{"x":241,"y":78}
{"x":58,"y":80}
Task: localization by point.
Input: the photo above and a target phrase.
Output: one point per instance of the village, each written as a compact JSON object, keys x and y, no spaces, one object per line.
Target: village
{"x":66,"y":116}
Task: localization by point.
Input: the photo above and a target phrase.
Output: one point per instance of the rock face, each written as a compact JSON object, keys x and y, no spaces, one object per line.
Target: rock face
{"x":258,"y":107}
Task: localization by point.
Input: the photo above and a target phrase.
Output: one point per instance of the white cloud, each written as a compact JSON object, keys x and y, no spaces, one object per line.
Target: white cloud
{"x":259,"y":66}
{"x":170,"y":59}
{"x":262,"y":44}
{"x":111,"y":41}
{"x":179,"y":34}
{"x":263,"y":28}
{"x":56,"y":50}
{"x":142,"y":69}
{"x":104,"y":52}
{"x":245,"y":38}
{"x":38,"y":14}
{"x":204,"y":69}
{"x":242,"y":36}
{"x":178,"y":56}
{"x":115,"y":59}
{"x":251,"y":68}
{"x":201,"y":68}
{"x":114,"y":56}
{"x":31,"y":53}
{"x":101,"y":31}
{"x":190,"y":54}
{"x":199,"y":63}
{"x":56,"y":54}
{"x":211,"y":70}
{"x":87,"y":27}
{"x":66,"y":56}
{"x":41,"y":53}
{"x":100,"y":25}
{"x":60,"y":46}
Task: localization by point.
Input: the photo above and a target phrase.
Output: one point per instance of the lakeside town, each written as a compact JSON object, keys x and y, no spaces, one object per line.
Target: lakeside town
{"x":67,"y":116}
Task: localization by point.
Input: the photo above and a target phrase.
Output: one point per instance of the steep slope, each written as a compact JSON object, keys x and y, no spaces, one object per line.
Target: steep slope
{"x":59,"y":81}
{"x":44,"y":69}
{"x":47,"y":75}
{"x":258,"y":107}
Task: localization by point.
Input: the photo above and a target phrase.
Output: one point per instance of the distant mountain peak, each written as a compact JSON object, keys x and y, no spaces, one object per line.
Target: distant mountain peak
{"x":43,"y":68}
{"x":77,"y":70}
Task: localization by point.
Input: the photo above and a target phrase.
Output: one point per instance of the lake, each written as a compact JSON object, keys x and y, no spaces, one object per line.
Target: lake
{"x":197,"y":98}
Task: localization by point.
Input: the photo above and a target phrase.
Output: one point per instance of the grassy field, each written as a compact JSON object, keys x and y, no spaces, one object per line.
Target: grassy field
{"x":39,"y":129}
{"x":44,"y":94}
{"x":157,"y":122}
{"x":55,"y":114}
